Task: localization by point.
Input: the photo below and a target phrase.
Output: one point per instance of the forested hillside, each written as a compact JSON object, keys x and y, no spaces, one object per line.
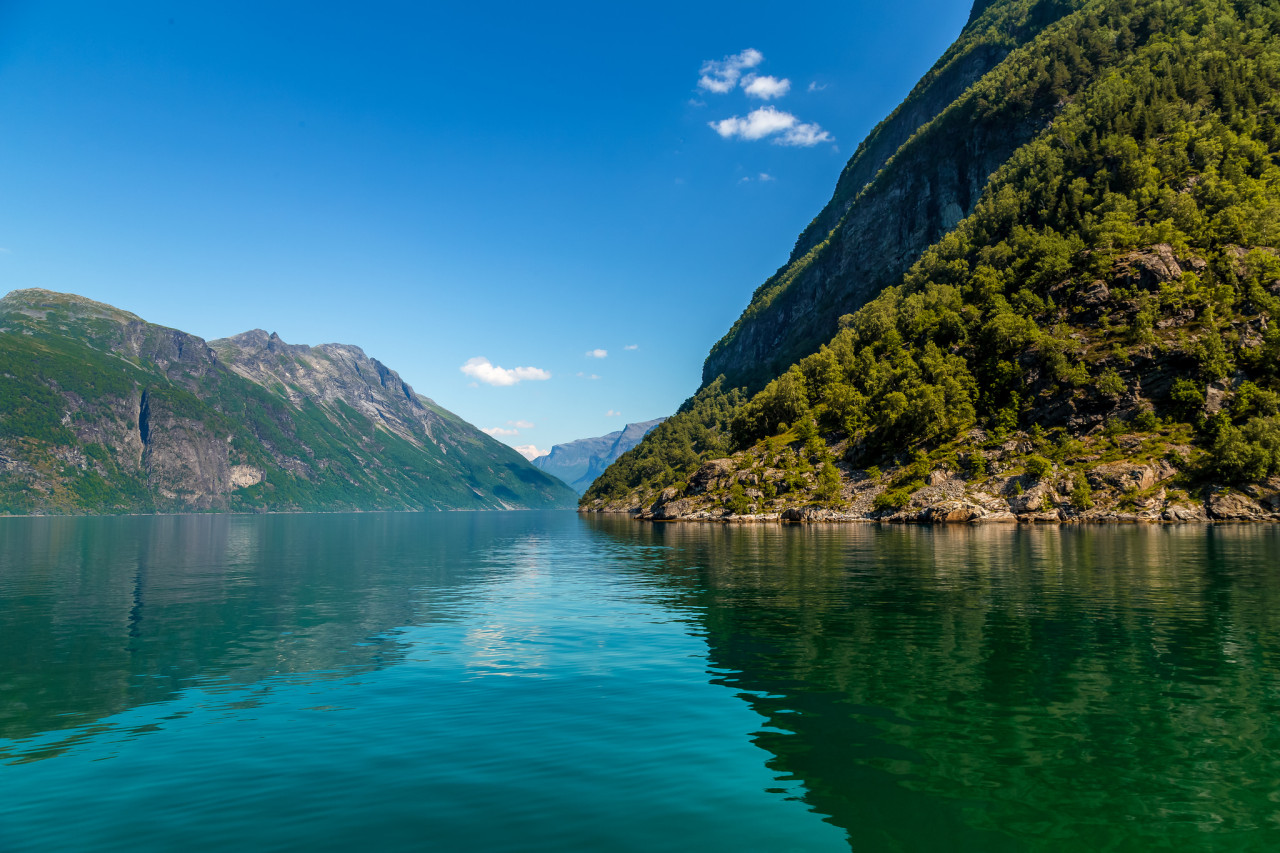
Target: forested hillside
{"x":1096,"y":338}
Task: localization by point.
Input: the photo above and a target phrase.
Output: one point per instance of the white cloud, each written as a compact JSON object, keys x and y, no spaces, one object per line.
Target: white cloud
{"x":612,"y":414}
{"x":520,"y":424}
{"x":817,"y":87}
{"x":803,"y":136}
{"x":757,"y":125}
{"x":771,"y":121}
{"x":631,"y":346}
{"x":530,"y":452}
{"x":597,"y":353}
{"x":764,"y":87}
{"x":582,"y":375}
{"x":479,"y":368}
{"x":720,"y":77}
{"x":497,"y":431}
{"x":765,"y":176}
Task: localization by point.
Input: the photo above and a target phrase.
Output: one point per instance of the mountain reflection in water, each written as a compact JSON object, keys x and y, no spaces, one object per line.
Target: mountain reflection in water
{"x":543,"y":681}
{"x":1049,"y":688}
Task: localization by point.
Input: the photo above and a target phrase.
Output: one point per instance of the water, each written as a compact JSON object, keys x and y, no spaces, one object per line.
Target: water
{"x":540,"y":681}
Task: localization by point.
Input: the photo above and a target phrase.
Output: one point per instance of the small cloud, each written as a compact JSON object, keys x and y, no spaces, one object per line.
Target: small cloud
{"x":497,"y":431}
{"x":530,"y":452}
{"x":694,"y":102}
{"x":744,"y":179}
{"x":765,"y":176}
{"x":815,"y":86}
{"x":631,"y":347}
{"x":803,"y":136}
{"x":785,"y":128}
{"x":582,"y":375}
{"x":520,"y":424}
{"x":720,"y":77}
{"x":612,"y":414}
{"x":597,"y":353}
{"x":480,"y":369}
{"x":765,"y":88}
{"x":757,"y":125}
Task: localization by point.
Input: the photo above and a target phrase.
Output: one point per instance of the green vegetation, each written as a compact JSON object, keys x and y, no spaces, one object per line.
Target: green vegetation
{"x":101,"y":412}
{"x":1124,"y":251}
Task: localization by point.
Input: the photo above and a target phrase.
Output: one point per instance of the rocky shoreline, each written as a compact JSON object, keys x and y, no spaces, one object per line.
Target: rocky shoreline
{"x":1120,"y":492}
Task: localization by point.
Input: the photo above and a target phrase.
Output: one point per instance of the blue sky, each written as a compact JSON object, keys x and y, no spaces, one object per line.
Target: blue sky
{"x":587,"y":191}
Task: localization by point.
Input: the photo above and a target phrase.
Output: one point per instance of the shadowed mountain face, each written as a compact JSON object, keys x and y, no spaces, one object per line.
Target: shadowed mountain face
{"x":917,"y":174}
{"x":101,"y":411}
{"x":578,"y":463}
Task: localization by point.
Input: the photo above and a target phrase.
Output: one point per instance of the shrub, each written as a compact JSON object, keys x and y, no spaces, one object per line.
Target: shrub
{"x":1110,"y":385}
{"x":1187,"y":398}
{"x":1081,"y":492}
{"x":1038,"y":467}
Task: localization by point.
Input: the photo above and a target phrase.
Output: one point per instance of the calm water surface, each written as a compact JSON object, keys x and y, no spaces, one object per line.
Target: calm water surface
{"x":539,"y":681}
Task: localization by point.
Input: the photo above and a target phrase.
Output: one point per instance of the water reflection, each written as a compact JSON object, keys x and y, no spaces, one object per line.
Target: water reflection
{"x":101,"y":615}
{"x":993,"y":688}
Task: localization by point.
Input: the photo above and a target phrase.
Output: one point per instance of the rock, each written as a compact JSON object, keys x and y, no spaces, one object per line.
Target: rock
{"x":1123,"y":476}
{"x":1233,"y":506}
{"x":1148,"y":268}
{"x":1032,"y":500}
{"x":1095,"y":295}
{"x":245,"y":475}
{"x":1184,"y":514}
{"x":1215,"y":397}
{"x":938,"y":477}
{"x":710,"y":474}
{"x":952,"y":512}
{"x":806,"y":513}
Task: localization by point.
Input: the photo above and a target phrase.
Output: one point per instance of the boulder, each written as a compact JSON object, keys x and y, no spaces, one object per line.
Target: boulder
{"x":710,"y":475}
{"x":1184,"y":514}
{"x":806,"y":513}
{"x":1148,"y":268}
{"x":1122,"y":476}
{"x":1233,"y":506}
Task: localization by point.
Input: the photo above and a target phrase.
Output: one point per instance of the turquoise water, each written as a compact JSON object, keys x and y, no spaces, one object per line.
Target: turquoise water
{"x":540,"y":681}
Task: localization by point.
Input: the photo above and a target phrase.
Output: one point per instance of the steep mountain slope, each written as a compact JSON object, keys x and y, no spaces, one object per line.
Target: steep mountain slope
{"x":1095,"y":339}
{"x":578,"y":463}
{"x":101,"y":411}
{"x":897,"y":195}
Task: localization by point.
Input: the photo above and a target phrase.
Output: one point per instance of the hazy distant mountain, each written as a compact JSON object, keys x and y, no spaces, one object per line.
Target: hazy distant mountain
{"x":103,"y":412}
{"x":579,"y":462}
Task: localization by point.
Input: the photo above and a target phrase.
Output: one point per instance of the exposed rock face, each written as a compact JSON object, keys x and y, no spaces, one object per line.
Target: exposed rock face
{"x":895,"y":197}
{"x":104,"y":412}
{"x":578,"y":463}
{"x":1111,"y":492}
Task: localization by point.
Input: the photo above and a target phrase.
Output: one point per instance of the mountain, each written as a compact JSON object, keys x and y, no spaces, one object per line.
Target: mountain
{"x":103,"y":412}
{"x":579,"y":462}
{"x":1046,"y":287}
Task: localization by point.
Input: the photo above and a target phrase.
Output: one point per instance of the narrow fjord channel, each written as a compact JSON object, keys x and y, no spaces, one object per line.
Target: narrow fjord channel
{"x":544,"y":681}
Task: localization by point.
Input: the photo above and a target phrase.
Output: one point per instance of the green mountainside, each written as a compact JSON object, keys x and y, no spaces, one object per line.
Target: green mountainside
{"x":102,"y":412}
{"x":1089,"y":333}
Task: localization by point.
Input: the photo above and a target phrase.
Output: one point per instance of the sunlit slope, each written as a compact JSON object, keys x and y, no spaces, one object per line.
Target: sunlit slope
{"x":1108,"y":299}
{"x":101,"y":411}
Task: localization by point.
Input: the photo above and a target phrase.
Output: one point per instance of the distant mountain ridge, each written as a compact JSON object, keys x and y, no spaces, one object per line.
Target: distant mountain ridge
{"x":102,"y":412}
{"x":578,"y":463}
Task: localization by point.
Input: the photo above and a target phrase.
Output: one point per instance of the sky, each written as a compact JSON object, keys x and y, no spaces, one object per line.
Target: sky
{"x":541,"y":215}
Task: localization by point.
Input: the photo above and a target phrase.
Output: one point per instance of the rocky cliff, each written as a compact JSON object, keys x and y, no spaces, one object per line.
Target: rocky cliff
{"x":916,"y":175}
{"x":101,"y":411}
